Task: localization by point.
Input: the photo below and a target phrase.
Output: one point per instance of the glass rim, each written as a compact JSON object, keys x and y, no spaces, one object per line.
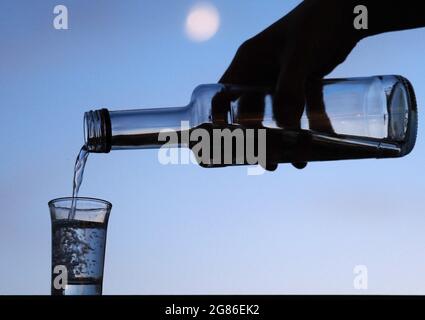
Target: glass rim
{"x":96,"y":200}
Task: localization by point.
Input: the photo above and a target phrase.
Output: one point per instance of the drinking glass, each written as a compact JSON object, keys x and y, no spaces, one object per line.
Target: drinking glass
{"x":78,"y":245}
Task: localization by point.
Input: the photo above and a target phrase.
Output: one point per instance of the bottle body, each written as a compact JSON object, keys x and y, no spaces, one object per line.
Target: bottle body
{"x":373,"y":117}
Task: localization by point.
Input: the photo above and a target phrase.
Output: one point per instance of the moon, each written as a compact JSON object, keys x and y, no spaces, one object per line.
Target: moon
{"x":202,"y":22}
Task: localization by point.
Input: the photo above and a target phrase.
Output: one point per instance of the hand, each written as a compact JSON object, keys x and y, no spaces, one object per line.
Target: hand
{"x":293,"y":55}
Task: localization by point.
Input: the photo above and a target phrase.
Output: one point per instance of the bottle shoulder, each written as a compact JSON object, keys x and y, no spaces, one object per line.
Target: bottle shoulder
{"x":207,"y":90}
{"x":201,"y":102}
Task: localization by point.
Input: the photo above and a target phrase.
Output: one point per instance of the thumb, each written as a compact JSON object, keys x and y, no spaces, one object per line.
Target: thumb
{"x":299,"y":165}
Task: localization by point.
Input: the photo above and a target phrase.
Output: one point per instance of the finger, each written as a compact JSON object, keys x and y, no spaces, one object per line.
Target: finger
{"x":299,"y":165}
{"x":289,"y":99}
{"x":315,"y":107}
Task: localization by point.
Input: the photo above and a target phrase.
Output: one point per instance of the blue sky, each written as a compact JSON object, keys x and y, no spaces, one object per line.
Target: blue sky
{"x":185,"y":229}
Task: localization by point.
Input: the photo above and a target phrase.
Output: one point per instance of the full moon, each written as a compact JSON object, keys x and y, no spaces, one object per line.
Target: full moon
{"x":202,"y":22}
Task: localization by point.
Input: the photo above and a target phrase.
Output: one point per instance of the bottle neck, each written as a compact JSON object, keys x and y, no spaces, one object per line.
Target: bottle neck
{"x":97,"y":131}
{"x":132,"y":129}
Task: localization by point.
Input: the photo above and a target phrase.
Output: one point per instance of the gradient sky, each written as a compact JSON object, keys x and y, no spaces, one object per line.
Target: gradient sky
{"x":185,"y":229}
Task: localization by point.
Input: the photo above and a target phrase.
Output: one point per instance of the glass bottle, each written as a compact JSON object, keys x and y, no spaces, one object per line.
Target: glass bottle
{"x":353,"y":118}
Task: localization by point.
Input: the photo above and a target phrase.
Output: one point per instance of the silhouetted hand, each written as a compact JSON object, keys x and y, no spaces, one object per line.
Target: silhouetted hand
{"x":290,"y":55}
{"x":293,"y":55}
{"x":296,"y":52}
